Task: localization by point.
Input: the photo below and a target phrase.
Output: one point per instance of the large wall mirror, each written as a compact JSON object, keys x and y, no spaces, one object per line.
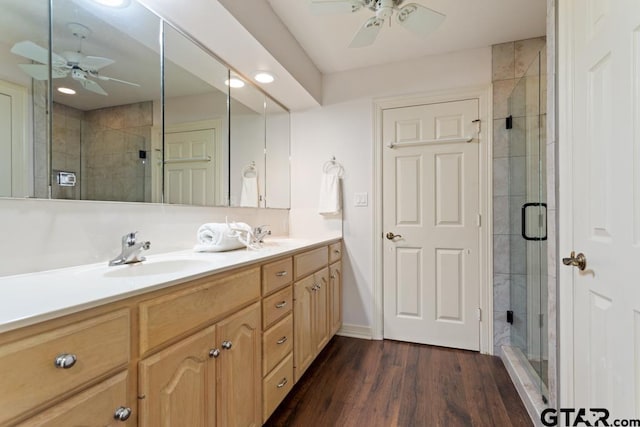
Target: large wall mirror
{"x":140,"y":112}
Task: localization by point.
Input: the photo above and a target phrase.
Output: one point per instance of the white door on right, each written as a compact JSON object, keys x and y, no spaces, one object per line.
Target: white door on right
{"x":605,"y":199}
{"x":431,"y":258}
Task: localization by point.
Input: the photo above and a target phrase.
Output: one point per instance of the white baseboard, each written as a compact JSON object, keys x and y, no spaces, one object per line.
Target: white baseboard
{"x":356,"y":331}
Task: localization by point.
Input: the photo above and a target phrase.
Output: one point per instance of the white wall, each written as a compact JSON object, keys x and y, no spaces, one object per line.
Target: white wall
{"x":39,"y":235}
{"x":343,"y":128}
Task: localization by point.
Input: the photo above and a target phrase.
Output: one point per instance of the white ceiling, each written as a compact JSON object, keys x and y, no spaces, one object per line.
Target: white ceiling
{"x":469,"y":24}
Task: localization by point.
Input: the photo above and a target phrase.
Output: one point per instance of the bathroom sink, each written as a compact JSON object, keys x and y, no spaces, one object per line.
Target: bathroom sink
{"x":150,"y":268}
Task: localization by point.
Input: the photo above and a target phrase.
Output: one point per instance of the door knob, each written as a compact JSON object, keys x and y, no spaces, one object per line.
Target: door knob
{"x":574,"y":260}
{"x":392,"y":236}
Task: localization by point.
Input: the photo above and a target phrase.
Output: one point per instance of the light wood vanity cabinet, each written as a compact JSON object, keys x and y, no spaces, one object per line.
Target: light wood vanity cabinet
{"x":223,"y":350}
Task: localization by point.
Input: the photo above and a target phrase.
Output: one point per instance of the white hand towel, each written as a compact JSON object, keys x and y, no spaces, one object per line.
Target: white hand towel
{"x":329,"y":203}
{"x":249,"y":192}
{"x":217,"y":237}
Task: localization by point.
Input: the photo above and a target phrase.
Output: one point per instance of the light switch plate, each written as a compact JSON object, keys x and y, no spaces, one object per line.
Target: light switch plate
{"x":361,"y":199}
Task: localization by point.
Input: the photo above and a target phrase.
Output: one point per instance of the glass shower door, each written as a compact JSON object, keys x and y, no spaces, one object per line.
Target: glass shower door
{"x":528,"y":217}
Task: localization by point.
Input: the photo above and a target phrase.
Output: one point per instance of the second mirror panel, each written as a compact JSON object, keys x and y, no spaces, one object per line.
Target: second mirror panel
{"x":196,"y":133}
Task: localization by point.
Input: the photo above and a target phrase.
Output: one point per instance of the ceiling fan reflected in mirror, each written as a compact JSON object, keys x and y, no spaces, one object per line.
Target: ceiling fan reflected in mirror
{"x":82,"y":68}
{"x":414,"y":17}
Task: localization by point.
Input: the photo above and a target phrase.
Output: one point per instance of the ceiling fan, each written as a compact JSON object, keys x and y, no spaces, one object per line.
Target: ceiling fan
{"x":80,"y":67}
{"x":414,"y":17}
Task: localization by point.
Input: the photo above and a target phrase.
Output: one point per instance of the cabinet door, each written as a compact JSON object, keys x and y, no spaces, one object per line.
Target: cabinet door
{"x":303,"y":318}
{"x":321,"y":321}
{"x":177,"y":385}
{"x":335,"y":297}
{"x":239,"y":369}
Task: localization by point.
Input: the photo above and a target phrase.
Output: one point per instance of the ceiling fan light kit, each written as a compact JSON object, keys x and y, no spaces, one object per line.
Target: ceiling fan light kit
{"x":416,"y":18}
{"x":75,"y":64}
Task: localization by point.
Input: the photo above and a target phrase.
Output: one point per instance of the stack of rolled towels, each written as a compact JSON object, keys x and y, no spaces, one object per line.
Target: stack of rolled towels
{"x":220,"y":237}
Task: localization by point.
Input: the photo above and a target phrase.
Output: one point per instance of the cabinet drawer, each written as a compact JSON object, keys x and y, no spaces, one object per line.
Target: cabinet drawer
{"x":276,"y":275}
{"x":30,"y":376}
{"x":277,"y":342}
{"x":171,"y":315}
{"x":311,"y":261}
{"x":276,"y":306}
{"x":335,"y":252}
{"x":96,"y":406}
{"x":276,"y":386}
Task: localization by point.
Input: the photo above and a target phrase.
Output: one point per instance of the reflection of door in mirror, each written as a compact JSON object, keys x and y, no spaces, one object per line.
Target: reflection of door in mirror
{"x":13,"y":135}
{"x":193,"y":163}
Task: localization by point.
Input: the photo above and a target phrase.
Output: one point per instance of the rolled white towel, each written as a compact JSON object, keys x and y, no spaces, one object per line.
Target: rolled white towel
{"x":217,"y":237}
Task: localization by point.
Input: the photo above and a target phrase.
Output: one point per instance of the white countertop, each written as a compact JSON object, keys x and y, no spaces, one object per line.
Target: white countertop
{"x":26,"y":299}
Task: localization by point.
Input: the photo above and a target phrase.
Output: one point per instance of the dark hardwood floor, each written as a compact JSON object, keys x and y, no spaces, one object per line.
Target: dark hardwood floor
{"x":388,"y":383}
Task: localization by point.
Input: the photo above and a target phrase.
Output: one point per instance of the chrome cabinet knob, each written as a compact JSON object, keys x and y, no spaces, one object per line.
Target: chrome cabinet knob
{"x":65,"y":360}
{"x":227,"y":345}
{"x":392,"y":236}
{"x":122,"y":414}
{"x":214,"y":352}
{"x":574,"y":260}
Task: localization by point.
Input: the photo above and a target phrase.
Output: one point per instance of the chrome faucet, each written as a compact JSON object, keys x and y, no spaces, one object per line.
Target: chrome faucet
{"x":130,"y":250}
{"x":260,"y":232}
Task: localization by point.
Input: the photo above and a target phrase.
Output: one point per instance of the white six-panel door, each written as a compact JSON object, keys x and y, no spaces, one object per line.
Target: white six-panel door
{"x":190,"y":167}
{"x":601,"y":89}
{"x":431,"y":202}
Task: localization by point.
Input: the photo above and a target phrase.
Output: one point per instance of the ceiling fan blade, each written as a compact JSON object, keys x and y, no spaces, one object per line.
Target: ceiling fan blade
{"x":92,"y":86}
{"x":368,"y":33}
{"x":419,"y":19}
{"x":325,"y":7}
{"x":41,"y":71}
{"x":37,"y":53}
{"x":94,"y":63}
{"x":101,"y":77}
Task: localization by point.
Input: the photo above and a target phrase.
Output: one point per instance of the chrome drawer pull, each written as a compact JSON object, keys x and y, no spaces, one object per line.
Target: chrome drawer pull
{"x":281,"y":273}
{"x":283,"y":383}
{"x":281,"y":304}
{"x":336,"y":252}
{"x":214,"y":352}
{"x":282,"y":340}
{"x":122,"y":414}
{"x":227,"y":345}
{"x":65,"y":361}
{"x":332,"y":277}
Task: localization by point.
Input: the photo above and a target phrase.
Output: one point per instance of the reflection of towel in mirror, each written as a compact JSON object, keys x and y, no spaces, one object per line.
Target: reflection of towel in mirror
{"x":217,"y":237}
{"x":329,"y":203}
{"x":249,"y":192}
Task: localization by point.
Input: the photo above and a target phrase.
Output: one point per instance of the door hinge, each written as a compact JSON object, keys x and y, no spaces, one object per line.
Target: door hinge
{"x":479,"y":314}
{"x":479,"y":220}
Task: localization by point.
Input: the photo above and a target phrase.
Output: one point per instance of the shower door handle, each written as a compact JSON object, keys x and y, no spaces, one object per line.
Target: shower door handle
{"x":523,"y":221}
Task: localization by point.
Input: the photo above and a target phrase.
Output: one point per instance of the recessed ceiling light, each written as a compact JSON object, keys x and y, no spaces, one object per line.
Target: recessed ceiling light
{"x":264,"y":77}
{"x":113,"y":3}
{"x":66,"y":91}
{"x":234,"y":82}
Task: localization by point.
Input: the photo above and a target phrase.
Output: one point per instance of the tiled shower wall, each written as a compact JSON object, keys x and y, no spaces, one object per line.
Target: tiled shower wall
{"x":65,"y":153}
{"x":509,"y":63}
{"x":112,"y":139}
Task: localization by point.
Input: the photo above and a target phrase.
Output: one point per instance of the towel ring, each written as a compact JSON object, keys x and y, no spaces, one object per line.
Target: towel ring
{"x":332,"y":166}
{"x":250,"y":170}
